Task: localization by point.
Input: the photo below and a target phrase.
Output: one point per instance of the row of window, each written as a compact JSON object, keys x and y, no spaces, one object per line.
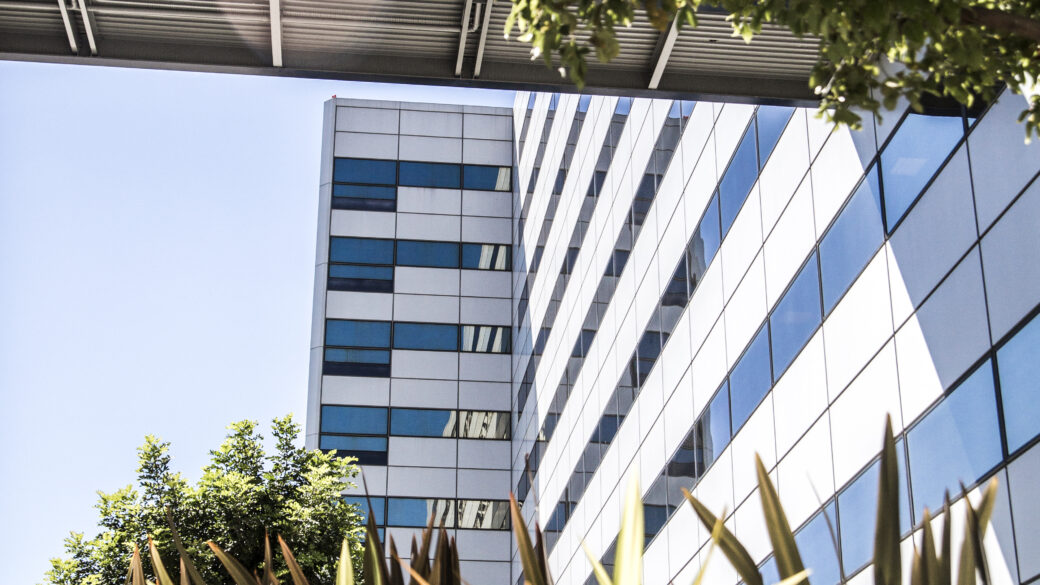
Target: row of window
{"x":416,"y":512}
{"x":362,"y":348}
{"x":367,"y":264}
{"x":371,"y":184}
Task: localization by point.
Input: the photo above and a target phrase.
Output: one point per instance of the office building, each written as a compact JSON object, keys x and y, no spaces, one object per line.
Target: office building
{"x":660,"y":289}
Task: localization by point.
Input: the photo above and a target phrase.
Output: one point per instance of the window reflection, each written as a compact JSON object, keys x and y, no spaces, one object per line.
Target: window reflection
{"x":485,"y":339}
{"x":427,"y":254}
{"x":817,"y":547}
{"x":427,"y":174}
{"x":414,"y":422}
{"x":483,"y":514}
{"x":1019,"y":365}
{"x":426,"y":336}
{"x":481,"y":424}
{"x":738,"y":179}
{"x":852,"y":240}
{"x":857,"y":509}
{"x":795,"y":317}
{"x":750,"y":379}
{"x":416,"y":512}
{"x":919,"y":145}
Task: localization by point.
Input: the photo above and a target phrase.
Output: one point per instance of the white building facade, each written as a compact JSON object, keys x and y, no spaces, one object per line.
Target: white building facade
{"x":689,"y":284}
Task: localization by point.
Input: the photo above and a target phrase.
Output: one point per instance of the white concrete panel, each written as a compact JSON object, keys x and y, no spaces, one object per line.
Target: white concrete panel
{"x":800,"y":395}
{"x":422,"y":452}
{"x":364,"y":224}
{"x":745,"y":311}
{"x":675,"y":359}
{"x":487,"y":126}
{"x":374,"y":476}
{"x":678,"y":413}
{"x":424,"y":393}
{"x":919,"y":383}
{"x":755,"y":437}
{"x":439,"y":365}
{"x":426,"y":308}
{"x":487,"y":203}
{"x":742,"y":244}
{"x":434,"y":281}
{"x":784,"y":171}
{"x":420,"y":482}
{"x":805,"y":472}
{"x":341,"y":304}
{"x":488,"y":230}
{"x":421,"y":123}
{"x":484,"y":396}
{"x":1011,"y":256}
{"x":483,"y":545}
{"x":683,"y":534}
{"x":835,"y":172}
{"x":424,"y":226}
{"x":655,"y":562}
{"x":429,"y":200}
{"x":487,"y":152}
{"x":353,"y":390}
{"x":484,"y":367}
{"x":483,"y":454}
{"x":1023,"y":477}
{"x":365,"y":145}
{"x":484,"y":484}
{"x":485,"y":311}
{"x":374,"y":120}
{"x":790,"y":242}
{"x":729,"y":129}
{"x":709,"y":367}
{"x":705,"y":305}
{"x":427,"y":148}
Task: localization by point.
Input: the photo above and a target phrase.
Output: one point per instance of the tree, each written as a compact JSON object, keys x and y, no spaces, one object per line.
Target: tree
{"x":243,"y":492}
{"x":960,"y":49}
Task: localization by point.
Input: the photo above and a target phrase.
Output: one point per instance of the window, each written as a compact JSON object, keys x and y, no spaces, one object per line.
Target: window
{"x":750,"y":379}
{"x":358,"y":420}
{"x":795,"y":317}
{"x":368,"y":450}
{"x":486,"y":178}
{"x":738,"y":179}
{"x":918,"y":146}
{"x":415,"y":422}
{"x":416,"y":512}
{"x":427,"y":174}
{"x":427,"y":254}
{"x":713,"y":429}
{"x":357,"y":348}
{"x":364,"y":184}
{"x":483,"y":515}
{"x":771,"y":123}
{"x":426,"y":336}
{"x":817,"y":548}
{"x":1019,"y":365}
{"x":352,"y":333}
{"x":857,"y":507}
{"x":486,"y":256}
{"x":361,"y":264}
{"x":482,"y":424}
{"x":364,"y":171}
{"x":485,"y":339}
{"x":851,"y":241}
{"x":377,"y":510}
{"x":958,"y":441}
{"x":704,"y":243}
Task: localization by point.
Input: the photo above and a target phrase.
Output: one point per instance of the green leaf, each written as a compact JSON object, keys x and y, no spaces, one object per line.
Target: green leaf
{"x":628,"y":557}
{"x":345,"y":568}
{"x":234,"y":568}
{"x":294,"y":568}
{"x":887,"y":562}
{"x":731,"y":547}
{"x":785,"y":551}
{"x":528,"y":558}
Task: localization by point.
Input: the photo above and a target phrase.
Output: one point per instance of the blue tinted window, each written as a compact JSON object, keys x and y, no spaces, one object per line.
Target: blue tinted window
{"x":918,"y":147}
{"x":857,"y":506}
{"x":416,"y":512}
{"x":411,"y":422}
{"x":624,"y":106}
{"x":705,"y":242}
{"x":361,"y":251}
{"x":751,"y":379}
{"x":483,"y":514}
{"x":426,"y":336}
{"x":357,"y":356}
{"x":583,"y":103}
{"x":357,"y":333}
{"x":426,"y":174}
{"x":486,"y":178}
{"x":769,"y":571}
{"x":352,"y":444}
{"x":360,"y":420}
{"x":771,"y":123}
{"x":486,"y":256}
{"x":713,"y":427}
{"x":956,"y":442}
{"x":795,"y":317}
{"x":364,"y":191}
{"x":817,"y":548}
{"x":737,"y":180}
{"x":378,"y":508}
{"x":361,"y":272}
{"x":1019,"y":365}
{"x":851,"y":241}
{"x":359,"y":170}
{"x":485,"y":338}
{"x":431,"y":254}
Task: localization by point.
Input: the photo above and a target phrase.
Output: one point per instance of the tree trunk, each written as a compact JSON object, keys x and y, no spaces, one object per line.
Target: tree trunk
{"x":1002,"y":22}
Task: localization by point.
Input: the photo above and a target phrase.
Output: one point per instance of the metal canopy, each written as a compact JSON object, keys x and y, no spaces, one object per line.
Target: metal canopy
{"x":456,"y":42}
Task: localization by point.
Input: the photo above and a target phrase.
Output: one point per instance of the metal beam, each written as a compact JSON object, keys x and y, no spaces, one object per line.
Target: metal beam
{"x":68,"y":26}
{"x":666,"y":44}
{"x":276,"y":33}
{"x":88,"y":24}
{"x":463,"y":31}
{"x":483,"y":37}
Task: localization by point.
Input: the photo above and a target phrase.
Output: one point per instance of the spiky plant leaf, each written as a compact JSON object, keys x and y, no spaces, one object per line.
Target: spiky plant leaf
{"x":598,"y":570}
{"x":946,"y":554}
{"x":184,"y":574}
{"x":528,"y":556}
{"x":295,"y":572}
{"x":234,"y":568}
{"x":887,"y":567}
{"x":374,"y":570}
{"x":929,"y":571}
{"x":785,"y":551}
{"x":730,"y":546}
{"x":799,"y":577}
{"x":628,"y":556}
{"x":157,"y":565}
{"x":396,"y":578}
{"x":421,"y":559}
{"x":345,"y":568}
{"x":136,"y":576}
{"x":196,"y":577}
{"x":542,"y":555}
{"x":269,"y":577}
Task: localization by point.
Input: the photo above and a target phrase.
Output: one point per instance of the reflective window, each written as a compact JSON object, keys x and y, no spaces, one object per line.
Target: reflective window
{"x":738,"y":179}
{"x":486,"y":256}
{"x":705,"y":242}
{"x":361,"y":251}
{"x":485,"y":339}
{"x":750,"y":379}
{"x":795,"y":317}
{"x":771,"y":123}
{"x":351,"y":261}
{"x":958,"y":441}
{"x":486,"y":178}
{"x":357,"y":420}
{"x":482,"y":424}
{"x":817,"y":547}
{"x":851,"y":241}
{"x":350,"y":333}
{"x":655,"y":508}
{"x":357,"y":356}
{"x":713,"y":429}
{"x":483,"y":514}
{"x":919,"y":145}
{"x":364,"y":171}
{"x":857,"y":507}
{"x":427,"y":174}
{"x":368,"y":450}
{"x":1019,"y":365}
{"x":416,"y":512}
{"x":377,"y":509}
{"x":361,"y":278}
{"x":583,"y":103}
{"x":364,"y":197}
{"x":428,"y":254}
{"x":415,"y":422}
{"x":429,"y":336}
{"x":364,"y":184}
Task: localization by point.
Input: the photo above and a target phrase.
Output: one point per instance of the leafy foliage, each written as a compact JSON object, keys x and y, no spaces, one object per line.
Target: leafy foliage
{"x":243,"y":492}
{"x":962,"y":49}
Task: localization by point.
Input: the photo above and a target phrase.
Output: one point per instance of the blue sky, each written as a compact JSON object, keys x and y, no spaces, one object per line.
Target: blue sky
{"x":156,"y":266}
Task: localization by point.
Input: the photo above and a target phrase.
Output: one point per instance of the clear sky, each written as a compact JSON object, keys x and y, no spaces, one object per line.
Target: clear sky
{"x":157,"y":235}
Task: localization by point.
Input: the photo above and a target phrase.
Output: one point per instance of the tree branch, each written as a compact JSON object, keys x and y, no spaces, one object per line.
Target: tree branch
{"x":1003,"y":22}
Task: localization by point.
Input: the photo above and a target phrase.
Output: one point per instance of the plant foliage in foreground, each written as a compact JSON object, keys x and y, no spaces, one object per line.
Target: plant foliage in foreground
{"x":931,"y":565}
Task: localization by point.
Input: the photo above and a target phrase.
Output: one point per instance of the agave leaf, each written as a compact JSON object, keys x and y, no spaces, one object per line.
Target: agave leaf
{"x":887,"y":567}
{"x":628,"y":557}
{"x":345,"y":568}
{"x":396,"y":578}
{"x":184,"y":574}
{"x":597,"y":567}
{"x":929,"y":572}
{"x":269,"y":577}
{"x":917,"y":571}
{"x":196,"y":577}
{"x":542,"y":555}
{"x":785,"y":551}
{"x":523,"y":542}
{"x":797,"y":578}
{"x":731,"y":547}
{"x":456,"y":572}
{"x":415,"y":575}
{"x":375,"y":570}
{"x":235,"y":568}
{"x":421,"y":561}
{"x":974,"y":533}
{"x":716,"y":533}
{"x":157,"y":565}
{"x":294,"y":568}
{"x":945,"y":568}
{"x":136,"y":568}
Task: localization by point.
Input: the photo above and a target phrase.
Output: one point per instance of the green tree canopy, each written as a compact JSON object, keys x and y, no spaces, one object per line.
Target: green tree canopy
{"x":292,"y":492}
{"x":961,"y":49}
